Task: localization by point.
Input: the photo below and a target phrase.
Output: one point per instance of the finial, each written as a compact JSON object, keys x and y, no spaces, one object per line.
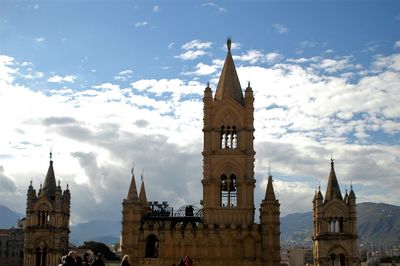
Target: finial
{"x":30,"y":183}
{"x":142,"y":175}
{"x":229,"y":43}
{"x":59,"y":183}
{"x":248,"y":84}
{"x":51,"y":154}
{"x":133,"y":167}
{"x":40,"y":186}
{"x":208,"y":84}
{"x":67,"y":186}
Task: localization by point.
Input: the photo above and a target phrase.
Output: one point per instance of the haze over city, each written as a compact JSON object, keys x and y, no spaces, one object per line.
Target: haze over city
{"x":105,"y":84}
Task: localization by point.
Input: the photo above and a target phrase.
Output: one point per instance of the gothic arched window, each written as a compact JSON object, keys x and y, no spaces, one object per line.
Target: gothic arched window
{"x":229,"y":137}
{"x":228,"y":191}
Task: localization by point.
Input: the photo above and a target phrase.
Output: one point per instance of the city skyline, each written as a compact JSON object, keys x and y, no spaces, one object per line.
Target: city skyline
{"x":107,"y":84}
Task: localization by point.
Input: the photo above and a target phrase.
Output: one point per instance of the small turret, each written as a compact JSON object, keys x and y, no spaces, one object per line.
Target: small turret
{"x":31,"y":196}
{"x":248,"y":96}
{"x":132,"y":193}
{"x":142,"y":194}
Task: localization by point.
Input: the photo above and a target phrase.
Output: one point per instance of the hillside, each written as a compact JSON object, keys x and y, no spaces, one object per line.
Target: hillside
{"x":107,"y":232}
{"x":8,"y":218}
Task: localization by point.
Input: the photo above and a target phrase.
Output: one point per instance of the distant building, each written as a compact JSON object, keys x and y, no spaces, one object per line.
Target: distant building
{"x":335,"y":226}
{"x":12,"y":247}
{"x":223,"y":232}
{"x":300,"y":256}
{"x":47,"y":222}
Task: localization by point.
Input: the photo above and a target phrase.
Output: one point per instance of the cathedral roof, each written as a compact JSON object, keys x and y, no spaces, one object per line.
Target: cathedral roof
{"x":269,"y":192}
{"x":49,"y":185}
{"x":229,"y":84}
{"x":333,"y":189}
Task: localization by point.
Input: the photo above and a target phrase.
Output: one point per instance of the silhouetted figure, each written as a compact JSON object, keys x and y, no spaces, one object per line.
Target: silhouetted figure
{"x":98,"y":261}
{"x":181,"y":262}
{"x":86,"y":259}
{"x":78,"y":261}
{"x":188,"y":261}
{"x":125,"y":261}
{"x":70,"y":259}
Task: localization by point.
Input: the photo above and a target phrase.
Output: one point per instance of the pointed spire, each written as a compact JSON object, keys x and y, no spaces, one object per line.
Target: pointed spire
{"x":132,"y":194}
{"x":333,"y":189}
{"x":142,"y":193}
{"x":269,"y":192}
{"x":229,"y":84}
{"x":49,"y":185}
{"x":352,"y":194}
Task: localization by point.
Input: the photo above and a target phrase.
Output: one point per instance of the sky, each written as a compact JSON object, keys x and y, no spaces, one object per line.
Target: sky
{"x":108,"y":84}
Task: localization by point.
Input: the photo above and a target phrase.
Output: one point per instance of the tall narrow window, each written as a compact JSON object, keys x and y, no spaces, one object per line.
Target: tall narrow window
{"x":228,"y":191}
{"x":223,"y":138}
{"x":229,"y":137}
{"x":224,"y":191}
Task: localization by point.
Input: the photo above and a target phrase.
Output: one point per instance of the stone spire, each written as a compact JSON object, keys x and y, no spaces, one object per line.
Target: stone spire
{"x":142,"y":193}
{"x":49,"y":186}
{"x":132,"y":194}
{"x":269,"y":192}
{"x":229,"y":84}
{"x":333,"y":189}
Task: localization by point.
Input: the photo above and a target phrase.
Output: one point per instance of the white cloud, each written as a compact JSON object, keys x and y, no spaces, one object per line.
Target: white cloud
{"x":397,"y":44}
{"x":60,"y":79}
{"x":40,"y":39}
{"x":280,"y":28}
{"x":141,"y":24}
{"x":171,"y":45}
{"x":255,"y":56}
{"x":218,"y":8}
{"x":97,"y":132}
{"x":202,"y":70}
{"x":124,"y":75}
{"x":273,"y":57}
{"x":191,"y":55}
{"x":197,"y":45}
{"x":36,"y":6}
{"x":156,"y":9}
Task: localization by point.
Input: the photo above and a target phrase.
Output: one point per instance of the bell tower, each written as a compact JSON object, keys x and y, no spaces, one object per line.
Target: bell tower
{"x":228,"y":153}
{"x":335,"y":225}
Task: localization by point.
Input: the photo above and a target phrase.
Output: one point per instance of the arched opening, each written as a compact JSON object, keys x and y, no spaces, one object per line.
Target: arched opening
{"x":342,"y":260}
{"x":41,"y":256}
{"x":228,"y":191}
{"x":332,"y":261}
{"x":229,"y":137}
{"x":152,"y":246}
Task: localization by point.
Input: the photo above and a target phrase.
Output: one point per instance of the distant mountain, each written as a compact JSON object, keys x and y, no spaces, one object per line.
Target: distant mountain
{"x":9,"y":218}
{"x":297,"y":229}
{"x":376,"y":223}
{"x":107,"y":232}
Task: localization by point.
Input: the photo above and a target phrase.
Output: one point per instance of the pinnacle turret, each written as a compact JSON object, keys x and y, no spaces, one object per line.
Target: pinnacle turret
{"x":132,"y":194}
